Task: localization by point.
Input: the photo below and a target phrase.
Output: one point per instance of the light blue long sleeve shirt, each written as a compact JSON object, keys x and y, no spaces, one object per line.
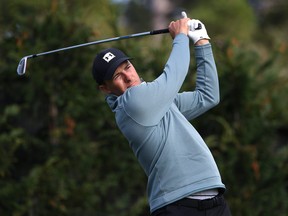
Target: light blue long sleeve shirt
{"x":154,"y":117}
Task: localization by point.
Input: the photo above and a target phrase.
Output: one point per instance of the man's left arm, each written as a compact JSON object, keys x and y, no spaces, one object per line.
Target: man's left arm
{"x":206,"y":94}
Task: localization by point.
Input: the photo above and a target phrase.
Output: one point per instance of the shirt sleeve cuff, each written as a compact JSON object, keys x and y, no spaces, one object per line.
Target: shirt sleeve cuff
{"x":203,"y":50}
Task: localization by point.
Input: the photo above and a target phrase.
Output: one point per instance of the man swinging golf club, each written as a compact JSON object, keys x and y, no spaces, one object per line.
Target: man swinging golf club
{"x":183,"y":178}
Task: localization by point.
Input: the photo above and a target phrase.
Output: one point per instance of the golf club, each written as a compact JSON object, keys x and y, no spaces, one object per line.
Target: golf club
{"x":21,"y":69}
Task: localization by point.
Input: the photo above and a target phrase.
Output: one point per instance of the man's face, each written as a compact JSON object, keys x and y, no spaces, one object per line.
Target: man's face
{"x":124,"y":77}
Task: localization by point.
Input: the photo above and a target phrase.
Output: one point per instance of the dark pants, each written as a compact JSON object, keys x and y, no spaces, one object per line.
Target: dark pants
{"x":216,"y":206}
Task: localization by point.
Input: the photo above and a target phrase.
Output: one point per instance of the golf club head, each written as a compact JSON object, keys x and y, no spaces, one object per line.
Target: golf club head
{"x":21,"y":69}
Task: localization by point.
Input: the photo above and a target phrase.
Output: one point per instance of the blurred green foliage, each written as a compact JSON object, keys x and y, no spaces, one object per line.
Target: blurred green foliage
{"x":60,"y":150}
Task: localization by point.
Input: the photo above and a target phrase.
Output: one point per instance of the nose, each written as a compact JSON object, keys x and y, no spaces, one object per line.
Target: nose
{"x":126,"y":76}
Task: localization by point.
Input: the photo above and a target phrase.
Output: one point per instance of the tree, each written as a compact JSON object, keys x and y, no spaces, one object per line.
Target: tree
{"x":60,"y":150}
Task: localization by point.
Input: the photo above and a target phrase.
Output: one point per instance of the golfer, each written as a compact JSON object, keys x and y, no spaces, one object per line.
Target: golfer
{"x":183,"y":178}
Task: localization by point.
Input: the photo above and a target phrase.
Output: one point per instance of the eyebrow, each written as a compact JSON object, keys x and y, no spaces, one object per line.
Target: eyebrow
{"x":127,"y":63}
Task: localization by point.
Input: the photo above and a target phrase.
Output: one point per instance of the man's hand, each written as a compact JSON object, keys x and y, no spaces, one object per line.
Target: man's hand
{"x":178,"y":27}
{"x":197,"y":31}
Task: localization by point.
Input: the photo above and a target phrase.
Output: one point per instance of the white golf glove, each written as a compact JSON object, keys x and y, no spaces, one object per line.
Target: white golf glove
{"x":197,"y":30}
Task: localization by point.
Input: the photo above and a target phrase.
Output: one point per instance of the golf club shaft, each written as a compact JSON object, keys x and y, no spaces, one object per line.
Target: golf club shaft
{"x":21,"y":69}
{"x":154,"y":32}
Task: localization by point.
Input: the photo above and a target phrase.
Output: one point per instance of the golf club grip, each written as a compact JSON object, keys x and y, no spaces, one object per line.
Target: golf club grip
{"x":160,"y":31}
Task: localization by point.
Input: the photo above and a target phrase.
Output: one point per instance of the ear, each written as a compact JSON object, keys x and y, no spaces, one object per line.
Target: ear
{"x":105,"y":89}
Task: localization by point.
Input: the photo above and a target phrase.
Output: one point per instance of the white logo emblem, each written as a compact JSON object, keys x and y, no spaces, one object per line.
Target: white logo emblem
{"x":108,"y":57}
